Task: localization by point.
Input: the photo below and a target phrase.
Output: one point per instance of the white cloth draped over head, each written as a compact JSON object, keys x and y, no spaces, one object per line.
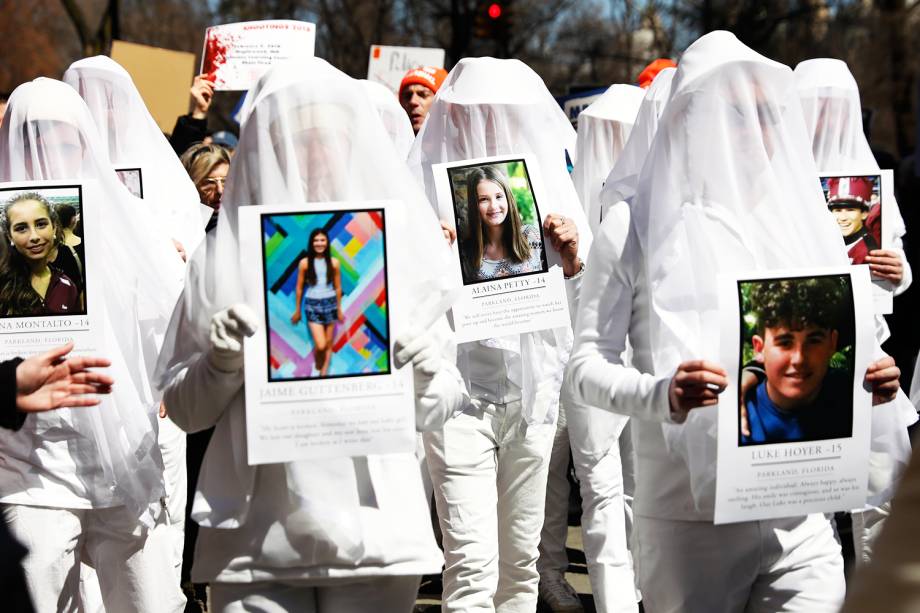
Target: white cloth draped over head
{"x":729,"y":185}
{"x":133,"y":138}
{"x":310,"y":136}
{"x":833,"y":117}
{"x":48,"y":134}
{"x":621,"y":183}
{"x":394,"y":117}
{"x":491,"y":107}
{"x":603,"y":130}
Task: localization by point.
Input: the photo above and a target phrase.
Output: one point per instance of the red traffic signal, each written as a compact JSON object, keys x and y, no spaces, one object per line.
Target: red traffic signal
{"x":495,"y":10}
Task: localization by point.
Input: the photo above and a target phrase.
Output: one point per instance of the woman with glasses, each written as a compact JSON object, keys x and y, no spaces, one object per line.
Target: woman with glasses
{"x":208,"y":165}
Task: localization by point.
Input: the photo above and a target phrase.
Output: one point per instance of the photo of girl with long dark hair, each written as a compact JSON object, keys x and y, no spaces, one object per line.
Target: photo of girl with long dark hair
{"x":30,"y":283}
{"x":319,"y":291}
{"x":497,"y":243}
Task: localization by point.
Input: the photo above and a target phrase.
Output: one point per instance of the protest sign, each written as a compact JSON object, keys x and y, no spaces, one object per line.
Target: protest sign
{"x":388,"y":65}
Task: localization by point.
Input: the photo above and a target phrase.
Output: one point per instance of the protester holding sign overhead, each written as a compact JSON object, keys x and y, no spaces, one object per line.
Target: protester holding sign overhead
{"x":721,"y":190}
{"x":337,"y":534}
{"x":489,"y":464}
{"x":96,"y":476}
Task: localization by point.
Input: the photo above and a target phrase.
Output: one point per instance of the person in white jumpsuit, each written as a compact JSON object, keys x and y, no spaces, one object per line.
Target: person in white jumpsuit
{"x":135,"y":142}
{"x":601,"y":442}
{"x":728,"y":185}
{"x":333,"y":535}
{"x":603,"y":129}
{"x":833,"y":116}
{"x":489,"y":464}
{"x":83,"y":486}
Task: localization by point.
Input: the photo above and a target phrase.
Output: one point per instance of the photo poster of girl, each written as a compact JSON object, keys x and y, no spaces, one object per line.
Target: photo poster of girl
{"x":42,"y":254}
{"x":326,"y":294}
{"x":498,"y":223}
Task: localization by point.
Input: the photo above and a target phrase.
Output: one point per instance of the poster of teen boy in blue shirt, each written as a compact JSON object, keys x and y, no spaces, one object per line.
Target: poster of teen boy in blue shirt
{"x":798,"y":395}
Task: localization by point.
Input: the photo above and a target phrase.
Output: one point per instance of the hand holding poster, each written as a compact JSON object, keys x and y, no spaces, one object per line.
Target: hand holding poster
{"x":236,"y":54}
{"x":859,"y":204}
{"x":48,"y":292}
{"x":320,"y":378}
{"x":512,"y":282}
{"x":794,"y":421}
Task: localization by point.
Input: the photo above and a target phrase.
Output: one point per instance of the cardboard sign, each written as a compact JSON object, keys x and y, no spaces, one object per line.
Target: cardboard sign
{"x":320,"y":376}
{"x":794,"y":421}
{"x":235,"y":55}
{"x":162,"y":77}
{"x":388,"y":65}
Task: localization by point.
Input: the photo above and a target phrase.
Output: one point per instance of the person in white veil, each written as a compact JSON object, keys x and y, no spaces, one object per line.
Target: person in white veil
{"x":329,"y":535}
{"x":392,"y":115}
{"x":833,"y":117}
{"x":135,"y":139}
{"x":728,"y":185}
{"x":489,"y":464}
{"x":95,"y":477}
{"x":601,"y":441}
{"x":603,"y":129}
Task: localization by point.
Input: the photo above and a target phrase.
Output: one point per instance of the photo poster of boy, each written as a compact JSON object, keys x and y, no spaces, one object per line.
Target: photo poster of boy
{"x":46,"y":268}
{"x":794,"y":422}
{"x":133,"y":179}
{"x":320,"y":380}
{"x":859,"y":203}
{"x":512,"y":282}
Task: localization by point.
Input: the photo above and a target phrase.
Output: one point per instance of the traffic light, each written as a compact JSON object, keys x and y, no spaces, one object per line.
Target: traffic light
{"x":493,"y":22}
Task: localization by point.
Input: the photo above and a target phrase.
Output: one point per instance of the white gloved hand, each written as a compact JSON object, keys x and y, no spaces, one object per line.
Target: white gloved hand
{"x":228,"y":327}
{"x":422,"y":350}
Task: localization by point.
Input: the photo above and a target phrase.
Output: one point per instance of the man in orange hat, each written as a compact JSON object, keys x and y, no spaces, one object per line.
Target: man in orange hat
{"x":649,"y":72}
{"x":417,"y":90}
{"x":849,"y":199}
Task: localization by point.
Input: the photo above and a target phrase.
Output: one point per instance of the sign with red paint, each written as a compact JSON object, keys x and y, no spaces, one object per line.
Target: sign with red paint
{"x":236,"y":54}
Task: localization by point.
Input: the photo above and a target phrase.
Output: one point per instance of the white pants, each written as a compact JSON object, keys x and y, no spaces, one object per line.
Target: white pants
{"x":168,"y":535}
{"x":134,"y":575}
{"x":394,"y":594}
{"x":604,"y":531}
{"x":489,"y":475}
{"x":790,"y":565}
{"x":553,"y":558}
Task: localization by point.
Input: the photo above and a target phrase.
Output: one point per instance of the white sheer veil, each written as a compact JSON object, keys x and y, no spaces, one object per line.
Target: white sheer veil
{"x":621,"y":183}
{"x":394,"y":117}
{"x":133,"y":137}
{"x":48,"y":134}
{"x":833,"y":117}
{"x":603,"y":130}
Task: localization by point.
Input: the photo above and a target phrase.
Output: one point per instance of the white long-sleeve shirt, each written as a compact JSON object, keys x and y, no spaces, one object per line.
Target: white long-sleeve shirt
{"x":614,"y":306}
